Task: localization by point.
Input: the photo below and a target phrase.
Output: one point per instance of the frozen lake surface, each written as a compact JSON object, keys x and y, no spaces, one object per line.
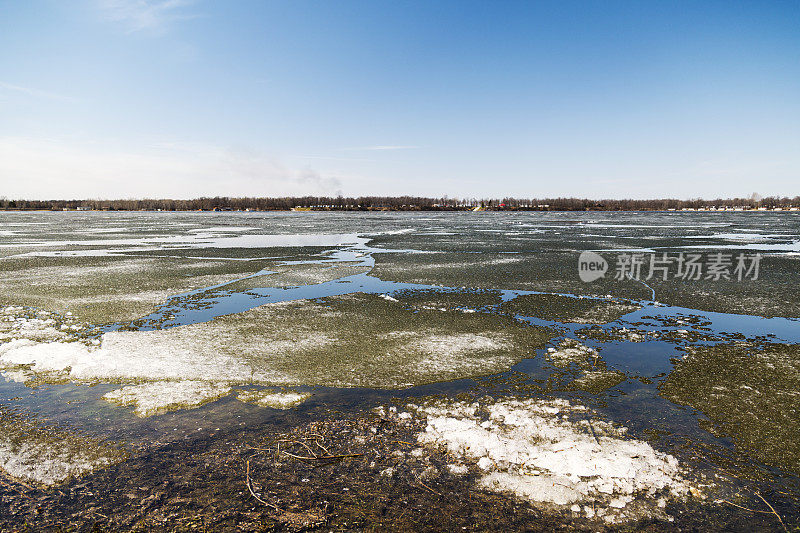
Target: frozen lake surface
{"x":123,"y":334}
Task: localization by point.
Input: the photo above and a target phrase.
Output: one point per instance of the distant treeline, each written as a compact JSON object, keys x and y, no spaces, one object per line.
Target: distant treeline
{"x":398,"y":203}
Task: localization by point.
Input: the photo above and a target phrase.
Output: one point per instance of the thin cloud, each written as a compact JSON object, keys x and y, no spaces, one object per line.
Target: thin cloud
{"x":146,"y":15}
{"x":383,"y":147}
{"x":35,"y":92}
{"x":268,"y":171}
{"x":55,"y":168}
{"x":330,"y":158}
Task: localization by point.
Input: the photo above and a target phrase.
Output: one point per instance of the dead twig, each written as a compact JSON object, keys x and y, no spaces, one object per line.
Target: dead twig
{"x":295,"y":440}
{"x":426,"y":487}
{"x":323,"y":457}
{"x":301,"y":457}
{"x":306,"y":446}
{"x":252,"y":492}
{"x":771,"y":508}
{"x":745,"y":508}
{"x":323,"y":448}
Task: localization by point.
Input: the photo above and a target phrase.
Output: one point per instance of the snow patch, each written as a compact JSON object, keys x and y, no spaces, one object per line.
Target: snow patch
{"x":47,"y":464}
{"x":126,"y":356}
{"x":570,"y":351}
{"x":275,"y":400}
{"x":462,"y":343}
{"x":45,"y":455}
{"x":161,"y":396}
{"x":548,"y":452}
{"x":16,"y":376}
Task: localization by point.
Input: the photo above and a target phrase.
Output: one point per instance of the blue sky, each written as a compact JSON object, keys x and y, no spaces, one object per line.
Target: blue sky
{"x":183,"y":98}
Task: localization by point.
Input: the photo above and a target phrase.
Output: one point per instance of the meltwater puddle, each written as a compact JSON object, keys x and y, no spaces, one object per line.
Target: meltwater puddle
{"x":216,"y":302}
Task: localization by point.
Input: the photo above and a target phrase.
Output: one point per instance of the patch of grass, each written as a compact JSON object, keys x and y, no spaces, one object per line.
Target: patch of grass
{"x":448,"y":299}
{"x":364,"y":340}
{"x":750,"y":393}
{"x":566,"y":309}
{"x":571,"y":357}
{"x":597,"y":381}
{"x":357,"y":340}
{"x":549,"y":270}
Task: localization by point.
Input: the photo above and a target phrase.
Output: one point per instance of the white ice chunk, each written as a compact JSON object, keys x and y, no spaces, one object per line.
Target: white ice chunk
{"x":276,"y":400}
{"x":154,"y":398}
{"x":531,"y":448}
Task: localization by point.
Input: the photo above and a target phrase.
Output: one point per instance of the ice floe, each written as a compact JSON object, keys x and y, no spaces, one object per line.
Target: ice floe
{"x":161,"y":396}
{"x":551,"y":452}
{"x":273,"y":399}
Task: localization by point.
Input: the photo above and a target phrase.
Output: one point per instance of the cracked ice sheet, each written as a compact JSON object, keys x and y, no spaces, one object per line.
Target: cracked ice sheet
{"x":107,"y":289}
{"x":529,"y":448}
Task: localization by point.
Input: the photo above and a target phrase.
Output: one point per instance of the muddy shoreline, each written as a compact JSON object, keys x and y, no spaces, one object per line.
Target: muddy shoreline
{"x":343,"y":472}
